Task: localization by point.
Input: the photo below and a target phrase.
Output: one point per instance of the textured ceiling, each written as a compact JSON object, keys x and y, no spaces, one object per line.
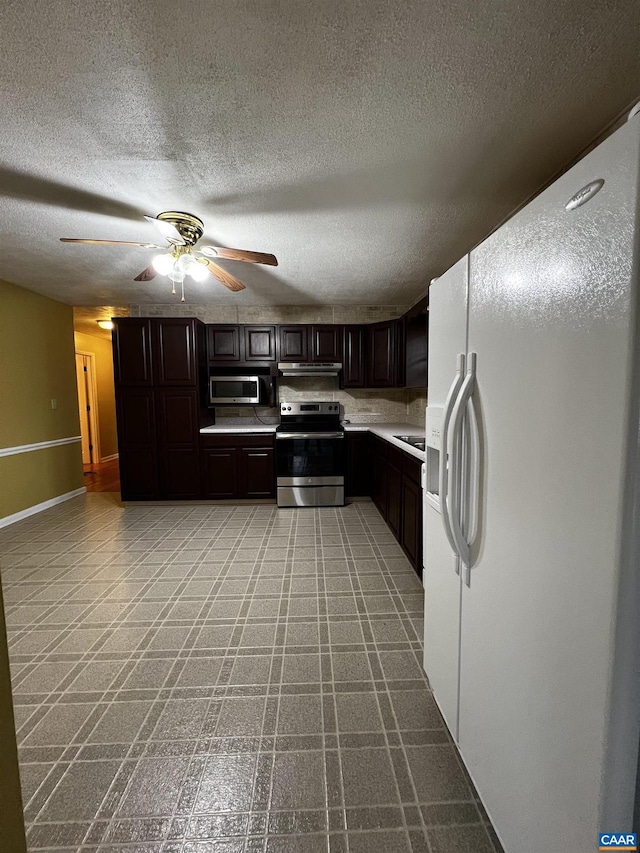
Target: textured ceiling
{"x":85,"y":319}
{"x":367,"y":144}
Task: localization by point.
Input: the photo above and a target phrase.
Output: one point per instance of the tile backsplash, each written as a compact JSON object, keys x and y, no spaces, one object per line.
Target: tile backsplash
{"x":271,"y":314}
{"x":393,"y":405}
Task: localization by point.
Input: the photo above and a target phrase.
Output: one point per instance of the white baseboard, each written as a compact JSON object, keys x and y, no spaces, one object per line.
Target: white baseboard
{"x":32,"y":510}
{"x":109,"y":458}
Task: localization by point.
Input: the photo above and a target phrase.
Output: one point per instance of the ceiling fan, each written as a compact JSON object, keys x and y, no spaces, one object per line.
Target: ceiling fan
{"x":180,"y":258}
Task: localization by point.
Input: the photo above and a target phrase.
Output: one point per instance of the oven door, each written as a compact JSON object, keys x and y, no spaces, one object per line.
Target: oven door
{"x":310,"y":469}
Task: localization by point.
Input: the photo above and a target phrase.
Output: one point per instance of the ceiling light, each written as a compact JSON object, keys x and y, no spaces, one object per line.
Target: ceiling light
{"x":198,"y":271}
{"x":105,"y":324}
{"x":163,"y":264}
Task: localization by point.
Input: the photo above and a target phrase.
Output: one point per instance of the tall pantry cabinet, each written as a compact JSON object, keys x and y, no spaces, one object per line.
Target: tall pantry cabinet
{"x":156,"y":365}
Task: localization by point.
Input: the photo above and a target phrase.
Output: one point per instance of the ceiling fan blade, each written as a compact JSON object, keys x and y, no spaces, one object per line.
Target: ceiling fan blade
{"x":224,"y":277}
{"x":146,"y":275}
{"x":167,"y":230}
{"x":240,"y":255}
{"x":110,"y":242}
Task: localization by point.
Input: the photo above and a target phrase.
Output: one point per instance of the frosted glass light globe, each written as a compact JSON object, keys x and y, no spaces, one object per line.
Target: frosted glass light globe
{"x":162,"y":264}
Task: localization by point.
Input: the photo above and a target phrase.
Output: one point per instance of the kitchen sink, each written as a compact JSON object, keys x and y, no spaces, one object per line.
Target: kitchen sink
{"x":414,"y":440}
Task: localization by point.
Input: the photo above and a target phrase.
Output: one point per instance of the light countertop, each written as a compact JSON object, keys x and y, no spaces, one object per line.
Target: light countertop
{"x":383,"y":430}
{"x":389,"y":431}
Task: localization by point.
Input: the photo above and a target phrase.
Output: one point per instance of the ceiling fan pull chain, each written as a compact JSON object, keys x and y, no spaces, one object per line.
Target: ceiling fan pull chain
{"x":182,"y":300}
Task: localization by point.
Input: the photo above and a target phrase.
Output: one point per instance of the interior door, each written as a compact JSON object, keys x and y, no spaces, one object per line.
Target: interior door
{"x":83,"y":403}
{"x":441,"y":577}
{"x":545,"y":691}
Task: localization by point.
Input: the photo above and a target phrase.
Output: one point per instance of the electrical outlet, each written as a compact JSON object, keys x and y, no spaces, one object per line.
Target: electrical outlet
{"x":54,"y":403}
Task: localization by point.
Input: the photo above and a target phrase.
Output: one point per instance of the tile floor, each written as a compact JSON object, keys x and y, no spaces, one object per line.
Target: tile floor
{"x":204,"y":679}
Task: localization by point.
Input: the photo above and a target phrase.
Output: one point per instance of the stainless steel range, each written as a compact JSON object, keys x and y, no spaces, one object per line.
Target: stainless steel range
{"x":310,"y":455}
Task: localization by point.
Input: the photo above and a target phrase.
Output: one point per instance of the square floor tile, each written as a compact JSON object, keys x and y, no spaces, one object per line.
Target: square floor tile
{"x":368,"y":777}
{"x":240,"y":717}
{"x":80,"y":792}
{"x":154,"y":788}
{"x":227,"y":783}
{"x":358,"y":712}
{"x":298,"y":781}
{"x":300,"y":715}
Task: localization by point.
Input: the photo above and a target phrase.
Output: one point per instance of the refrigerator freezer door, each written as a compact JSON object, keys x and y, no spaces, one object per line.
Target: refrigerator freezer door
{"x":548,"y":712}
{"x":441,"y":576}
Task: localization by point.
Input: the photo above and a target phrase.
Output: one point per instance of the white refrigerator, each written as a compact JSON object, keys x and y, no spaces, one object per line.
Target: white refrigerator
{"x":532,"y":508}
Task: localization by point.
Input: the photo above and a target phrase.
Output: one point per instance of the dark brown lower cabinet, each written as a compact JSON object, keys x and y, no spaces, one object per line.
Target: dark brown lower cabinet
{"x":220,"y":467}
{"x":379,"y":474}
{"x":238,"y":466}
{"x":180,"y":474}
{"x":358,"y":479}
{"x":256,"y":473}
{"x":158,"y":443}
{"x":411,"y":529}
{"x":394,"y":488}
{"x":137,"y":444}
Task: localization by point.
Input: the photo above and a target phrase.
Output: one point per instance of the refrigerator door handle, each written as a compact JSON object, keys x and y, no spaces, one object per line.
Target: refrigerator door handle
{"x":447,"y":461}
{"x":474,"y":478}
{"x":453,"y":436}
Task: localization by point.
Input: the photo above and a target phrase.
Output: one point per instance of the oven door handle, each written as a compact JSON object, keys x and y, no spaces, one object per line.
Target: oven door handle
{"x":280,"y":435}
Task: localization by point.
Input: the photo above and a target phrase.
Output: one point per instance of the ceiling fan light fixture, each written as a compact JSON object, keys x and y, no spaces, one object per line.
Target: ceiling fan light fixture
{"x":163,"y":264}
{"x":209,"y":251}
{"x":198,"y":272}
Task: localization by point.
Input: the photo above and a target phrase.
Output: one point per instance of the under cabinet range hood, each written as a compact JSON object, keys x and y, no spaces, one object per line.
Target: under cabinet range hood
{"x":304,"y":368}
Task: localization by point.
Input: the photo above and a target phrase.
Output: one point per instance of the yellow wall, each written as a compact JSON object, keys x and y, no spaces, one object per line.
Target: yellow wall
{"x":103,"y":361}
{"x":37,"y":364}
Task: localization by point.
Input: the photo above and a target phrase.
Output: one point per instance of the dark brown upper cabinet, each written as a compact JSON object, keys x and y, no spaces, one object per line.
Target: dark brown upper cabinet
{"x":175,"y":357}
{"x":259,"y":343}
{"x":132,"y":351}
{"x":354,"y":357}
{"x":416,"y":350}
{"x":326,"y":343}
{"x":294,"y":343}
{"x":223,"y":343}
{"x":382,"y":355}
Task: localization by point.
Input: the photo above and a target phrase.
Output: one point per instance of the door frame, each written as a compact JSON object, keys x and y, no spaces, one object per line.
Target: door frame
{"x":92,"y":397}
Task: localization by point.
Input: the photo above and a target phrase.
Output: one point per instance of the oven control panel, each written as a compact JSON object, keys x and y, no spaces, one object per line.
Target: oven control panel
{"x":310,"y":408}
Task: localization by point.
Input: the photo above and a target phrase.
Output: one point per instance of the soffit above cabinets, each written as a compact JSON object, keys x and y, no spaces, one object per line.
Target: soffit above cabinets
{"x":367,"y":144}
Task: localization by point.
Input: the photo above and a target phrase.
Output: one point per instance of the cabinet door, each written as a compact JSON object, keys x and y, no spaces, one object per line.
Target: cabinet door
{"x":259,"y":343}
{"x":416,"y":349}
{"x":137,"y":445}
{"x":382,"y":353}
{"x":256,"y":472}
{"x":223,"y":343}
{"x":178,"y":443}
{"x":177,"y":416}
{"x":354,"y":357}
{"x":358,"y":483}
{"x":394,"y":491}
{"x":379,"y":475}
{"x":411,"y":524}
{"x":400,"y":357}
{"x":175,"y":352}
{"x":326,"y":343}
{"x":220,"y":473}
{"x":294,"y":343}
{"x":132,"y":351}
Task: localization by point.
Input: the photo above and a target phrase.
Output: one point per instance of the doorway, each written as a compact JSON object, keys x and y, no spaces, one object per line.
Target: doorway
{"x":88,"y":408}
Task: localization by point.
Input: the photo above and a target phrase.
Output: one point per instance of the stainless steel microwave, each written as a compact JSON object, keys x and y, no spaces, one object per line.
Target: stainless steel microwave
{"x":235,"y":389}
